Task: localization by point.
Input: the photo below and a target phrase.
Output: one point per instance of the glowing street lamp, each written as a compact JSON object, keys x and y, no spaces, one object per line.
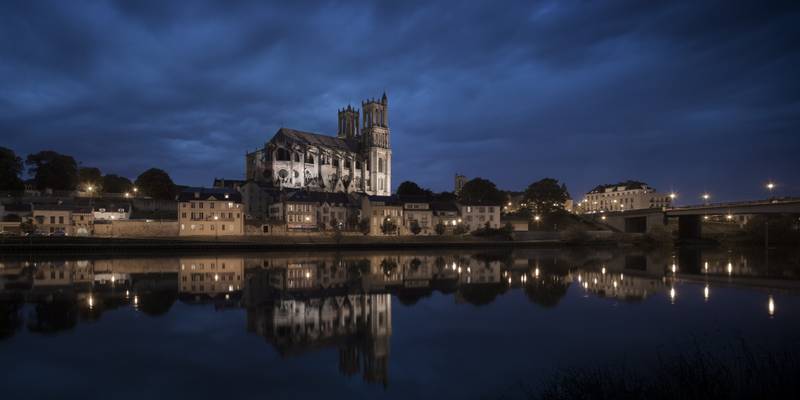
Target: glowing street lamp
{"x":771,"y":306}
{"x":770,"y":187}
{"x":706,"y":196}
{"x":673,"y":196}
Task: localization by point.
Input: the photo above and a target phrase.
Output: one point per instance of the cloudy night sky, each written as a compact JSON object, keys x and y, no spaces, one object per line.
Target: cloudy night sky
{"x":687,"y":96}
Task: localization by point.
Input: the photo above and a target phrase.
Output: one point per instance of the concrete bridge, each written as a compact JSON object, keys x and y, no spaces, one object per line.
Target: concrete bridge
{"x":690,"y":218}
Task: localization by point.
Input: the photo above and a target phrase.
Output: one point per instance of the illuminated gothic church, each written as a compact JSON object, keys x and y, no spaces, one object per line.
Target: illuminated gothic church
{"x":358,"y":159}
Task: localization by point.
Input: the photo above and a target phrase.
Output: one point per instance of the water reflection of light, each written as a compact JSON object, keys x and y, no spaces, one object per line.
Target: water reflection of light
{"x":135,"y":300}
{"x":771,"y":306}
{"x":705,"y":266}
{"x":469,"y":270}
{"x":615,"y":284}
{"x":730,"y":268}
{"x":536,"y":272}
{"x":91,"y":301}
{"x":622,"y":277}
{"x":127,"y":294}
{"x":603,"y":270}
{"x":595,"y":281}
{"x":672,"y":294}
{"x":230,"y":288}
{"x":706,"y":292}
{"x":459,"y":270}
{"x":585,"y":285}
{"x":579,"y":278}
{"x":454,"y":265}
{"x":674,"y":268}
{"x":509,"y":280}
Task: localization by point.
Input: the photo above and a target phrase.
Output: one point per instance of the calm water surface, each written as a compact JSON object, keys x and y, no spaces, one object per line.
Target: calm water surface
{"x":374,"y":325}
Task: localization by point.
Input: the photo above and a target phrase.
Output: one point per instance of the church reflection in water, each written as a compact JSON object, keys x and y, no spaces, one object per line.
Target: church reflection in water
{"x":303,"y":303}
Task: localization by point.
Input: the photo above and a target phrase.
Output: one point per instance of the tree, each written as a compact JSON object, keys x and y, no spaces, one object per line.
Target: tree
{"x":52,"y":170}
{"x":156,"y":183}
{"x":337,"y":230}
{"x":439,"y":228}
{"x":546,"y":196}
{"x":460,"y":229}
{"x":388,"y":226}
{"x":363,"y":226}
{"x":481,"y":190}
{"x":27,"y":227}
{"x":409,"y":188}
{"x":90,"y":176}
{"x":116,"y":184}
{"x":352,"y":220}
{"x":415,"y":228}
{"x":10,"y":170}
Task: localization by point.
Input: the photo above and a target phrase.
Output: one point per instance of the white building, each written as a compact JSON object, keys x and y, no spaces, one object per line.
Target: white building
{"x":624,"y":196}
{"x":112,"y":212}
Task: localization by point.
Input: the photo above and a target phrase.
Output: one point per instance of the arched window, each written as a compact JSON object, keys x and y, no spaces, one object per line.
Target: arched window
{"x":381,"y":165}
{"x":282,"y":154}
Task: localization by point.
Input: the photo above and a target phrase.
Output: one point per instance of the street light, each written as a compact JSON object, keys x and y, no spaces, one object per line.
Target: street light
{"x":673,"y":196}
{"x":706,"y":196}
{"x":770,"y":187}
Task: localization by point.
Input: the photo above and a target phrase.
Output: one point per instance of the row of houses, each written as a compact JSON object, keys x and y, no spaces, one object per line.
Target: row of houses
{"x":223,"y":211}
{"x":61,"y":218}
{"x":235,"y":210}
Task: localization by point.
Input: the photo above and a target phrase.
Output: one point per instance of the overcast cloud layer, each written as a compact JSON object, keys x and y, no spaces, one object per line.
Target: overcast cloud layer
{"x":690,"y":96}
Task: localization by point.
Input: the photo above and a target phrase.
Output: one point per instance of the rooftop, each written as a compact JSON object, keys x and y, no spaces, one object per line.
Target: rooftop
{"x":621,"y":186}
{"x":316,"y":139}
{"x":197,"y":193}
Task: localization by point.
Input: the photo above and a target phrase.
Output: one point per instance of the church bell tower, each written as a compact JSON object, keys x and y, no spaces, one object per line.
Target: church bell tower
{"x":375,"y":142}
{"x":348,"y":123}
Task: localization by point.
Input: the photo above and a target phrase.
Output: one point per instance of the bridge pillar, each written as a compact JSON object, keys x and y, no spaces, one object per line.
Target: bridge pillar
{"x":689,"y":227}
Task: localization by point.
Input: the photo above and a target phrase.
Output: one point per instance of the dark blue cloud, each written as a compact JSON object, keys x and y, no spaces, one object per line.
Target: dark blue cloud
{"x":688,"y":96}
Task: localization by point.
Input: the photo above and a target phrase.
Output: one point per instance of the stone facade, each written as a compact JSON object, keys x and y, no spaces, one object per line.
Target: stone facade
{"x":355,"y":161}
{"x":476,"y":215}
{"x":136,"y":228}
{"x":210,"y":212}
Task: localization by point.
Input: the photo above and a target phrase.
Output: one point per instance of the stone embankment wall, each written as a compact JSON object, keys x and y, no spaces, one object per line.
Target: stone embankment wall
{"x":137,"y":228}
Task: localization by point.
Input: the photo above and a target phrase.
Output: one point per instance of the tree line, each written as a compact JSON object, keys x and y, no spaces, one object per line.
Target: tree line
{"x":545,"y":196}
{"x":51,"y":170}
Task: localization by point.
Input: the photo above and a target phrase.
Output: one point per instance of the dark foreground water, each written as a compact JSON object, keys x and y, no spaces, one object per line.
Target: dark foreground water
{"x":428,"y":324}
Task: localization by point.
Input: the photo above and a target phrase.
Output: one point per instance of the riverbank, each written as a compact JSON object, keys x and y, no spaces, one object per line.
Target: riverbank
{"x":245,"y":243}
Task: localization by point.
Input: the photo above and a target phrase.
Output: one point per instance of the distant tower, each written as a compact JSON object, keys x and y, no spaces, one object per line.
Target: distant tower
{"x":348,"y":123}
{"x":375,"y":141}
{"x":460,"y":181}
